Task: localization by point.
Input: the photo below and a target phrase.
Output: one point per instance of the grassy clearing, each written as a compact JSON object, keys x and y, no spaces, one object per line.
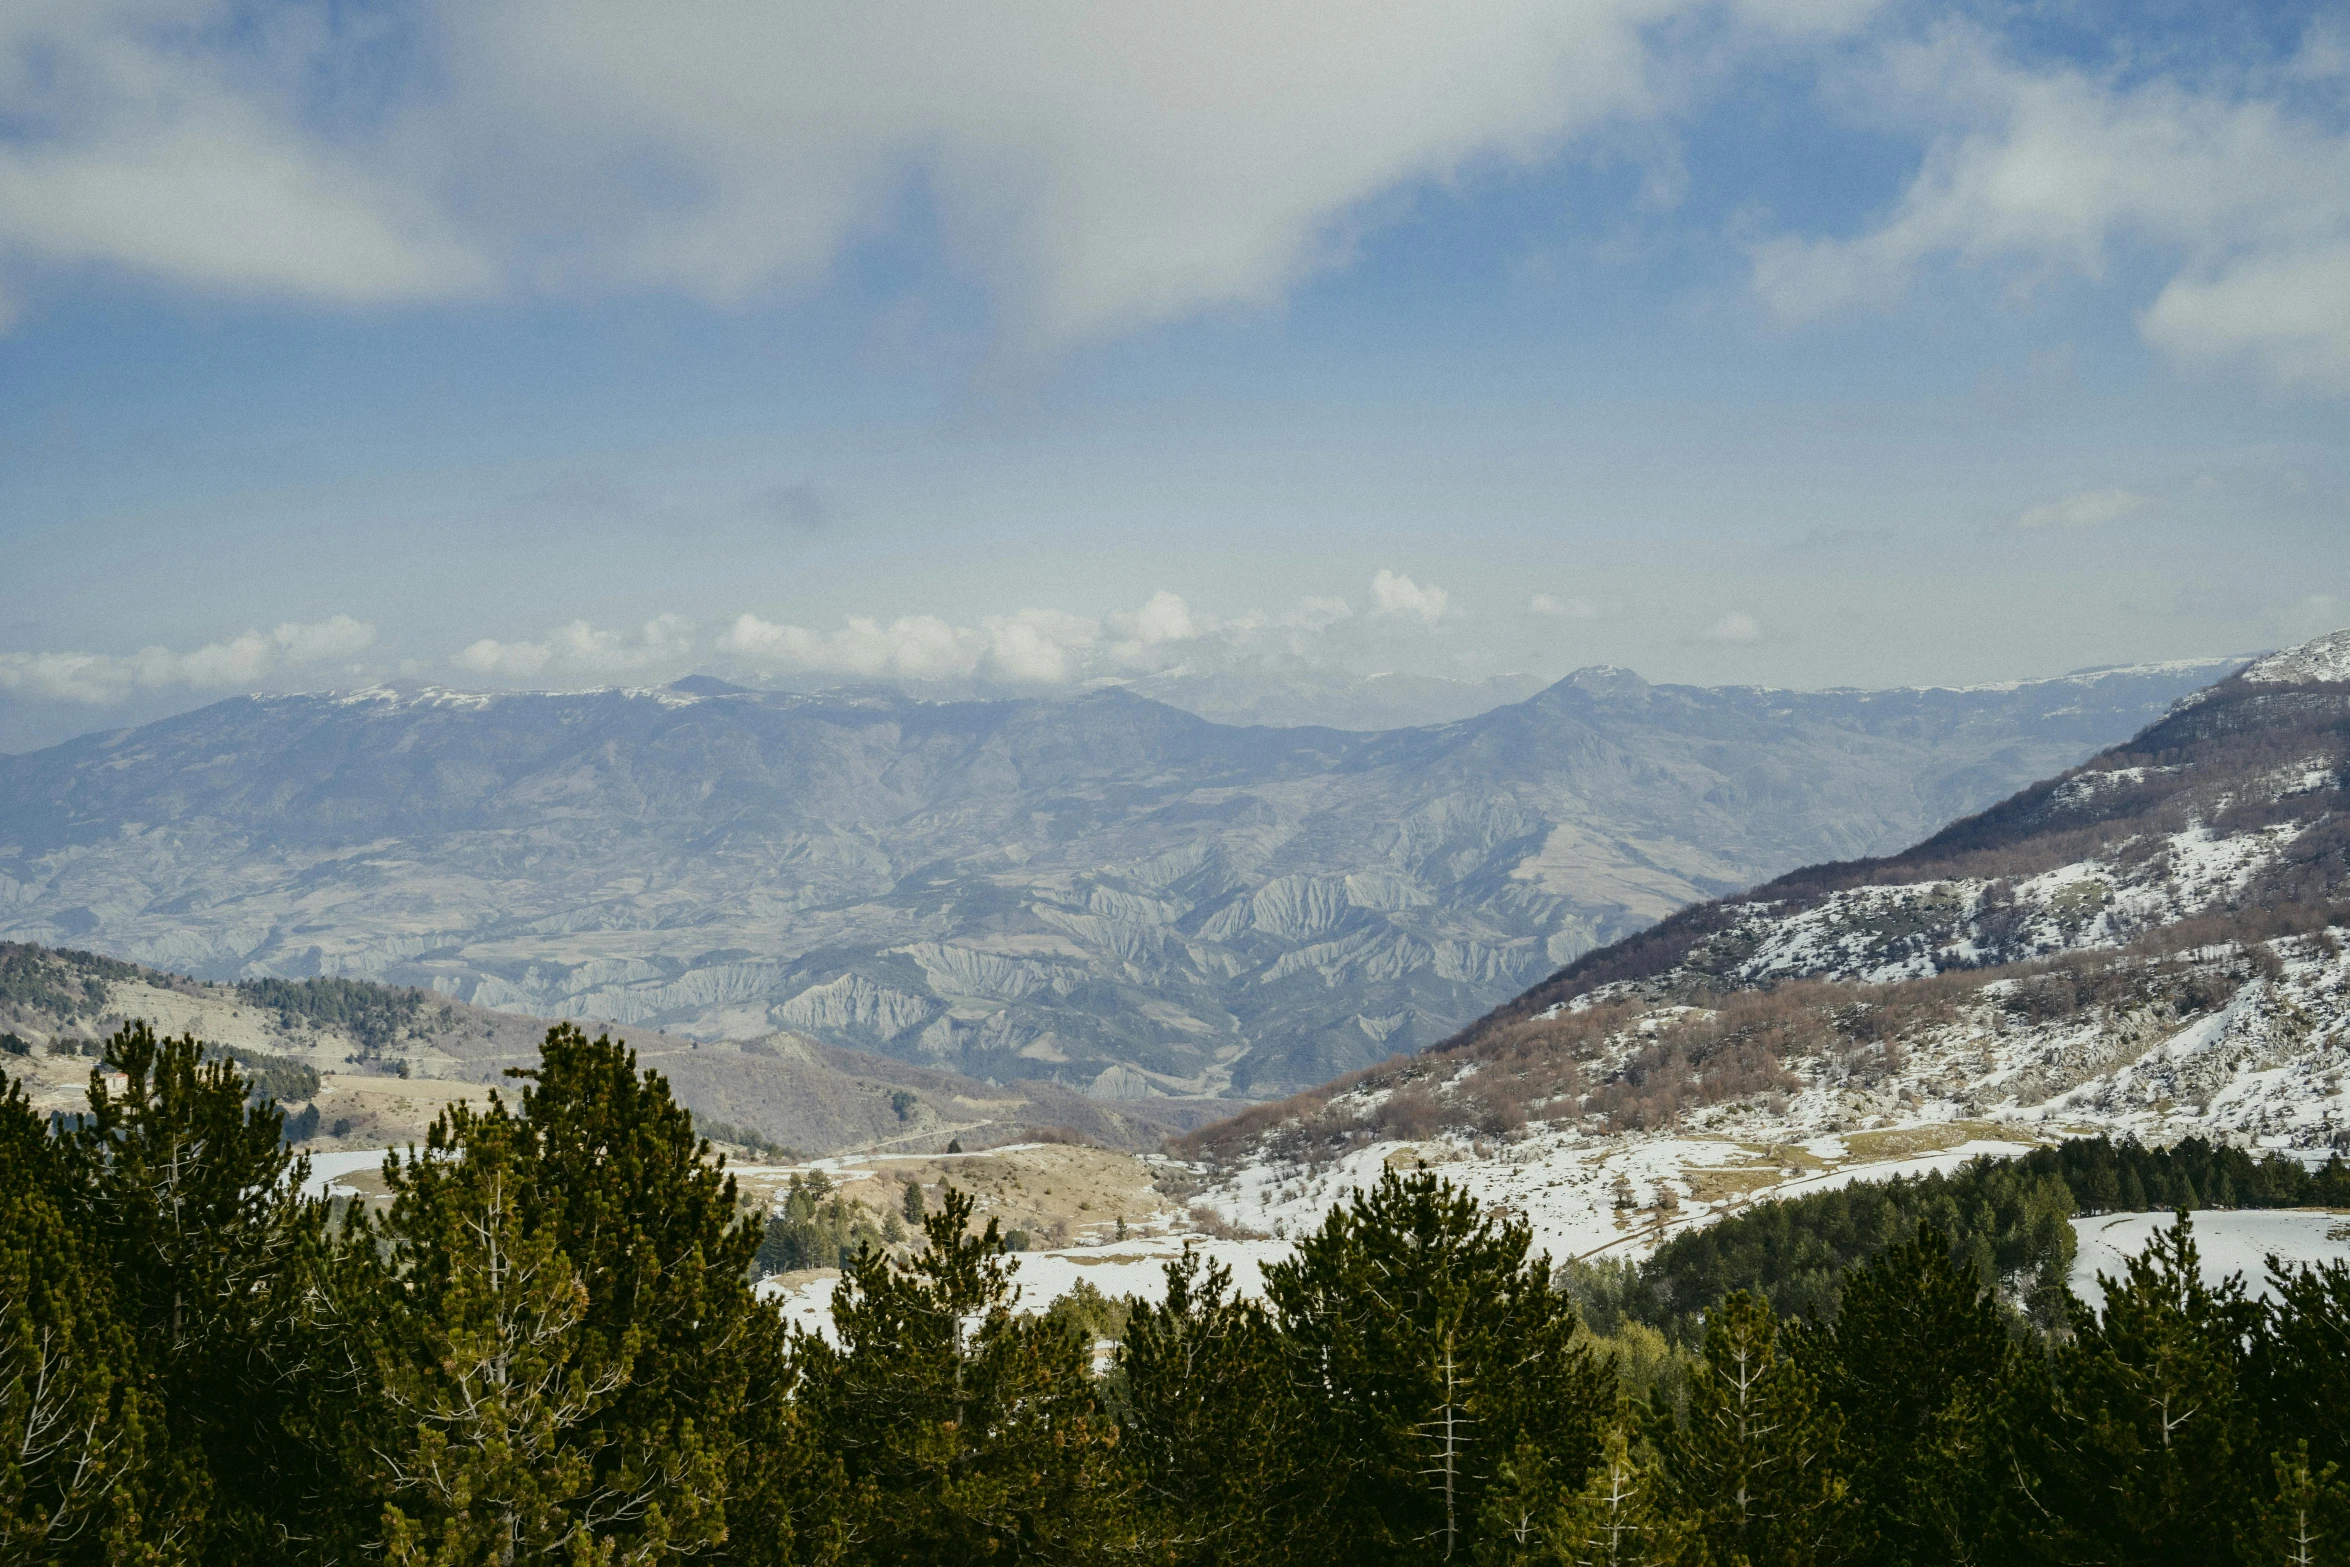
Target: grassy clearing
{"x":1711,"y":1184}
{"x":1908,"y":1142}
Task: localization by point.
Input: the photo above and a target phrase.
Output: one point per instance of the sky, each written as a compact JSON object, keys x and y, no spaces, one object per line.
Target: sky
{"x":509,"y":343}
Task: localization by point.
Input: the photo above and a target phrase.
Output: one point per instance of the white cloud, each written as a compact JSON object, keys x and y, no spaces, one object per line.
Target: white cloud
{"x":1054,"y":648}
{"x":2290,"y":314}
{"x":139,"y":147}
{"x":1736,"y":626}
{"x":1396,"y":594}
{"x":1100,"y":166}
{"x":1316,"y":612}
{"x":1164,"y":618}
{"x":665,"y":642}
{"x":2042,"y":173}
{"x":1096,"y":167}
{"x":1562,"y":608}
{"x":1032,"y":647}
{"x":240,"y":661}
{"x":2083,"y":509}
{"x":1028,"y":652}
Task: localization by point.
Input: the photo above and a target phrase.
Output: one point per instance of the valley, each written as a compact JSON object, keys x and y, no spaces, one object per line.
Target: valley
{"x":1104,"y":893}
{"x":2148,"y":945}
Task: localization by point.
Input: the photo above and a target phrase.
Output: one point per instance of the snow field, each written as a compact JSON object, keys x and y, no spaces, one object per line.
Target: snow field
{"x":2234,"y":1241}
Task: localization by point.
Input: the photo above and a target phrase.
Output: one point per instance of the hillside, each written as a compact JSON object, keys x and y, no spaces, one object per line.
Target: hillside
{"x":2150,"y":945}
{"x":378,"y":1062}
{"x":1109,"y":893}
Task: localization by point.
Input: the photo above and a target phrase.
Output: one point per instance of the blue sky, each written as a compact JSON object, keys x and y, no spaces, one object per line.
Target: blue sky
{"x":1795,"y":341}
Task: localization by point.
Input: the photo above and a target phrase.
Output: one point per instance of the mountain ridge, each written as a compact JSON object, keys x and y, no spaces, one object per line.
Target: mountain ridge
{"x":2154,"y":944}
{"x":1107,"y":891}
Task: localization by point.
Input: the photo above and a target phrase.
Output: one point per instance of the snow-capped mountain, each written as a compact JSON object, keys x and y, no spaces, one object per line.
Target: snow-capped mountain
{"x":2151,"y":944}
{"x":1106,"y":891}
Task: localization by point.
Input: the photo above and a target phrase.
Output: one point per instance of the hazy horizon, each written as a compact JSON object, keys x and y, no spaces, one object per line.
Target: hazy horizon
{"x":1789,"y":342}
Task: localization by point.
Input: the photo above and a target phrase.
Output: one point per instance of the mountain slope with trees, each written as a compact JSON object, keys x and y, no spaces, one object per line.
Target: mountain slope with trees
{"x":547,"y":1349}
{"x":362,"y":1065}
{"x":2156,"y":933}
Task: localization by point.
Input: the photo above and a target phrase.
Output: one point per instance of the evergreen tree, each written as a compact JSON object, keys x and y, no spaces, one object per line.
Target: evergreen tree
{"x":1755,"y":1458}
{"x":1209,"y":1429}
{"x":1917,"y":1365}
{"x":965,"y":1433}
{"x":2146,"y":1451}
{"x":2300,"y":1361}
{"x":73,"y":1423}
{"x":1428,"y":1348}
{"x":2133,"y":1191}
{"x":493,"y":1373}
{"x":2101,"y":1193}
{"x":575,"y":1356}
{"x":193,"y":1208}
{"x":650,"y":1221}
{"x":1625,"y":1515}
{"x":2304,"y":1521}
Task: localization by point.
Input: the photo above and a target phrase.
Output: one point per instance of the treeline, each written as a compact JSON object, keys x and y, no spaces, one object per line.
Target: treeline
{"x":374,"y":1015}
{"x":2007,"y":1221}
{"x":546,"y":1350}
{"x":59,"y":982}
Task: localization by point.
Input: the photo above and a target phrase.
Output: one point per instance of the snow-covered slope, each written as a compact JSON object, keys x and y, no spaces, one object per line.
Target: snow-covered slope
{"x":2151,"y":945}
{"x":2326,"y":658}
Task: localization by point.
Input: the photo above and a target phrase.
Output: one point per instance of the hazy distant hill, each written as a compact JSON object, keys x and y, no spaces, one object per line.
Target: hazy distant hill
{"x":378,"y":1062}
{"x":1107,"y":891}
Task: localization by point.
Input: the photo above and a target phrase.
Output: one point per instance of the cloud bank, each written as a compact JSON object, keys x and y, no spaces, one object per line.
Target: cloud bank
{"x":580,"y":649}
{"x":1095,"y":167}
{"x":2032,"y":174}
{"x":1044,"y":647}
{"x":238,"y":663}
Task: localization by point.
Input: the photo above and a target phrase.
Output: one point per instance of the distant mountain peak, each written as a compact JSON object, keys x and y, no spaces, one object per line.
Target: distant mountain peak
{"x":708,"y":685}
{"x":1611,"y":682}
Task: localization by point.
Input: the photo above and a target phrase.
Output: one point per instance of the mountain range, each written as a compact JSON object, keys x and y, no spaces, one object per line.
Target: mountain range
{"x":2154,"y":944}
{"x":1106,"y":892}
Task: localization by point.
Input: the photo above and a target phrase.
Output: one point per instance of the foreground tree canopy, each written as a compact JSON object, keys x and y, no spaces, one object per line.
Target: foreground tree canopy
{"x":547,"y":1349}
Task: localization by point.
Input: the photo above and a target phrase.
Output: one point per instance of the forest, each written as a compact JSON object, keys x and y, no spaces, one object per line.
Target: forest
{"x":547,"y":1348}
{"x":2007,"y":1220}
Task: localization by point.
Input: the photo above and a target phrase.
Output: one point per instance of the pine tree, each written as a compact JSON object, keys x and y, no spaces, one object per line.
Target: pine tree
{"x":73,"y":1426}
{"x":2299,"y":1371}
{"x":2147,"y":1451}
{"x":491,"y":1369}
{"x":1210,"y":1432}
{"x":1917,"y":1365}
{"x":1429,"y":1347}
{"x":965,"y":1433}
{"x":194,"y":1207}
{"x":575,"y":1346}
{"x":652,"y":1224}
{"x":1755,"y":1457}
{"x":1624,"y":1515}
{"x":2304,"y":1520}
